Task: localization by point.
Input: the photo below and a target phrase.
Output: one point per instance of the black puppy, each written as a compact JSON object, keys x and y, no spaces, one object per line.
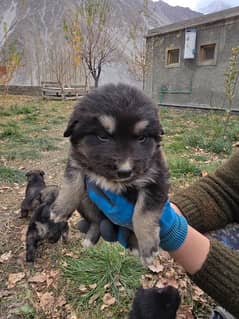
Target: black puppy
{"x":41,"y":227}
{"x":35,"y":183}
{"x":155,"y":303}
{"x":115,"y":139}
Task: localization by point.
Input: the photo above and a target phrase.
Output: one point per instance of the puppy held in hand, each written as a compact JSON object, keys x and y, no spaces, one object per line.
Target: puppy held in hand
{"x":115,"y":141}
{"x":155,"y":303}
{"x":41,"y":227}
{"x":35,"y":183}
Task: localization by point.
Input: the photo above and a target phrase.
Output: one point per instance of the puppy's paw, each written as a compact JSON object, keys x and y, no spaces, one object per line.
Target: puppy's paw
{"x":23,"y":213}
{"x":30,"y":257}
{"x":149,"y":247}
{"x":134,"y":252}
{"x":87,"y":243}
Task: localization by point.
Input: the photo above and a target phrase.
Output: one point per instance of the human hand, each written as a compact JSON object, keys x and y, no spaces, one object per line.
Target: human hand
{"x":173,"y":227}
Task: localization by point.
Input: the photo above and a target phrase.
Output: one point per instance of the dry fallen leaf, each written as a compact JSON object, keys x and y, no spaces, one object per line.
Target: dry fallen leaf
{"x":23,"y":233}
{"x":38,"y":277}
{"x":156,"y":267}
{"x":54,"y":273}
{"x":107,"y":286}
{"x":60,"y":302}
{"x":82,"y":288}
{"x":204,"y":173}
{"x":14,"y":278}
{"x":103,"y":306}
{"x":47,"y":301}
{"x":108,"y":299}
{"x":93,"y":286}
{"x":185,"y":312}
{"x":93,"y":299}
{"x":198,"y":291}
{"x":6,"y":256}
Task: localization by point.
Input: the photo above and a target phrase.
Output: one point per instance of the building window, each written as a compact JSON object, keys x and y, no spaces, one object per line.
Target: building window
{"x":207,"y":54}
{"x":172,"y":57}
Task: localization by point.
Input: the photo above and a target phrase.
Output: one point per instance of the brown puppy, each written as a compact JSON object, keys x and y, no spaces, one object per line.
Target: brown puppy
{"x":115,"y":142}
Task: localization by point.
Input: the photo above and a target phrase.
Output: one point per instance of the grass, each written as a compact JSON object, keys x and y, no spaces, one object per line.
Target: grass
{"x":10,"y":175}
{"x":22,"y":154}
{"x":28,"y":128}
{"x":10,"y":130}
{"x":105,"y":268}
{"x":181,"y":167}
{"x":31,"y":136}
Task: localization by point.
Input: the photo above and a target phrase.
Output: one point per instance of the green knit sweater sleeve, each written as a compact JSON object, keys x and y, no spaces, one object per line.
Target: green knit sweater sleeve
{"x":213,"y":201}
{"x":219,"y":276}
{"x":209,"y":204}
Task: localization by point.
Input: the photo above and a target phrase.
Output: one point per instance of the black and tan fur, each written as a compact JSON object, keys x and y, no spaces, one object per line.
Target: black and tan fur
{"x":115,"y":141}
{"x":35,"y":183}
{"x":41,"y":227}
{"x":155,"y":303}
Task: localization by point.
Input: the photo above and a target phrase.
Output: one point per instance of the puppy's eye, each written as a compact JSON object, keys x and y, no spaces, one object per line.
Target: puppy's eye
{"x":103,"y":138}
{"x":142,"y":139}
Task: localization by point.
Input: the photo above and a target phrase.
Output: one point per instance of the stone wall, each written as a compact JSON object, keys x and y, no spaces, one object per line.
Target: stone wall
{"x":206,"y":82}
{"x":22,"y":90}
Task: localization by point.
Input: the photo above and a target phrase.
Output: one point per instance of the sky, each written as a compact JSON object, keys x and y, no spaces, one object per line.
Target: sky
{"x":195,"y":4}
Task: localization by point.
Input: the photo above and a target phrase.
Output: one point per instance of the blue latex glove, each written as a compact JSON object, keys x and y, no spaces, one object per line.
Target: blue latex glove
{"x":173,"y":228}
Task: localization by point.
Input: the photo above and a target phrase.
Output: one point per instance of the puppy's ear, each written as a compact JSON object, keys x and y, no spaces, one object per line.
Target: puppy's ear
{"x":28,"y":173}
{"x":42,"y":173}
{"x":69,"y":130}
{"x":161,"y":130}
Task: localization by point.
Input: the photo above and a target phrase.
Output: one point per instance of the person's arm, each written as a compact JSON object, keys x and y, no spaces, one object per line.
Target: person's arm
{"x":213,"y":201}
{"x":212,"y":266}
{"x":194,"y":242}
{"x":209,"y":204}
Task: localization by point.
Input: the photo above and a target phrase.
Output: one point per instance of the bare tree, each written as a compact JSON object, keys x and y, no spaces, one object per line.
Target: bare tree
{"x":230,"y":83}
{"x":10,"y":61}
{"x":59,"y":63}
{"x":136,"y":56}
{"x":93,"y":35}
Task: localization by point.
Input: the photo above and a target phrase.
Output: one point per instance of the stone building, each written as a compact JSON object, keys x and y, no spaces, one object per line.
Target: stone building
{"x":187,"y":60}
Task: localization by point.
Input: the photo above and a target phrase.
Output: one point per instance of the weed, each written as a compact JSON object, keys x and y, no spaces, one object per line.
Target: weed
{"x":194,"y":140}
{"x":30,"y":119}
{"x":11,"y":130}
{"x":44,"y":143}
{"x":10,"y":175}
{"x":182,"y":167}
{"x":107,"y":267}
{"x":21,"y":109}
{"x":219,"y":145}
{"x":23,"y":153}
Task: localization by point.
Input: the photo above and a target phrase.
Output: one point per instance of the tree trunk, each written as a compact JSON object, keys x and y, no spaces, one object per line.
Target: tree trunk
{"x":97,"y":78}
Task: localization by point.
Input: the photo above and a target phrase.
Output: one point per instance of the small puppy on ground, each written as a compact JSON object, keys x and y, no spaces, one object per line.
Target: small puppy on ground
{"x":155,"y":303}
{"x":35,"y":183}
{"x":41,"y":227}
{"x":115,"y":142}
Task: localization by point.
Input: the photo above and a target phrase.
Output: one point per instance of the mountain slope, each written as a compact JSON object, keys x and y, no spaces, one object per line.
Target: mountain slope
{"x":37,"y":26}
{"x":215,"y":6}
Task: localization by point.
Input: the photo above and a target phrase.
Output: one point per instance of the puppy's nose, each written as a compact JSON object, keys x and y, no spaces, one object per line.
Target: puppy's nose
{"x":124,"y":173}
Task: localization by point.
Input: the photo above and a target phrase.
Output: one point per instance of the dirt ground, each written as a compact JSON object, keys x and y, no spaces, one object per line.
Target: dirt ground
{"x":38,"y":291}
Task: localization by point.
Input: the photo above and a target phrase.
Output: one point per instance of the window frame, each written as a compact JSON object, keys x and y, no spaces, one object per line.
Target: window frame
{"x":205,"y":62}
{"x":172,"y":65}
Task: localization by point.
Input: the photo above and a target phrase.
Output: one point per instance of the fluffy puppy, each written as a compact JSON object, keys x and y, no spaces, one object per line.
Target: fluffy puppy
{"x":35,"y":183}
{"x":155,"y":303}
{"x":41,"y":226}
{"x":115,"y":142}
